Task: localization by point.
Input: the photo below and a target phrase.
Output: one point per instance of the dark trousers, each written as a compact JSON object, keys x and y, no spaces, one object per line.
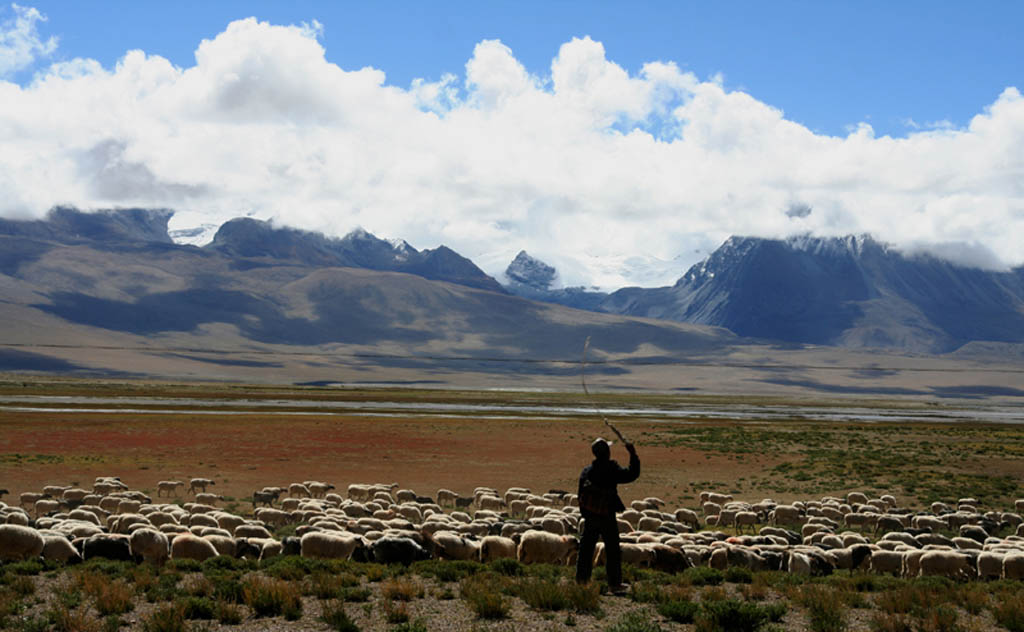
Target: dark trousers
{"x":608,"y":530}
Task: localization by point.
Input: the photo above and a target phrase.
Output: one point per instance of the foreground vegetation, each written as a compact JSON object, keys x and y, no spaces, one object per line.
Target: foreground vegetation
{"x":103,"y":596}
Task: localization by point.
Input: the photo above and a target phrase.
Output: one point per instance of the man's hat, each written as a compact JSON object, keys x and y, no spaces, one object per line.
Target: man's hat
{"x":601,"y":445}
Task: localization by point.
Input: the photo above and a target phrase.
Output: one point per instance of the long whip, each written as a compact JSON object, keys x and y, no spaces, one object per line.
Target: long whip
{"x":583,"y":380}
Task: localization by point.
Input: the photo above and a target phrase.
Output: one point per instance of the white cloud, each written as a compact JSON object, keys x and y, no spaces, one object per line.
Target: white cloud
{"x":590,"y":168}
{"x":20,"y":44}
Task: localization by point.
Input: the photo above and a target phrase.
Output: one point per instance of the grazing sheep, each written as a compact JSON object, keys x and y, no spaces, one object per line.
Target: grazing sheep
{"x":168,"y":488}
{"x":322,"y":544}
{"x":300,"y":490}
{"x":397,"y":550}
{"x":883,"y":561}
{"x":452,"y":546}
{"x":208,"y":499}
{"x":948,"y":564}
{"x":199,"y":485}
{"x":786,"y":514}
{"x":110,"y":546}
{"x":59,"y":549}
{"x":318,"y":489}
{"x":744,"y":518}
{"x":264,"y":497}
{"x":20,"y":543}
{"x":1013,"y":565}
{"x":990,"y":565}
{"x":546,"y":548}
{"x":192,"y":547}
{"x":495,"y":547}
{"x":149,"y":545}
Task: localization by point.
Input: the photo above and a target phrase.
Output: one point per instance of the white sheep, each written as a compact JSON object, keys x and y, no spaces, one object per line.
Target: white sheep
{"x":150,"y":545}
{"x":168,"y":488}
{"x":453,"y":546}
{"x":948,"y":564}
{"x":199,"y":484}
{"x":321,"y":544}
{"x":495,"y":547}
{"x":192,"y":547}
{"x":20,"y":543}
{"x":445,"y":497}
{"x":59,"y":549}
{"x":546,"y":548}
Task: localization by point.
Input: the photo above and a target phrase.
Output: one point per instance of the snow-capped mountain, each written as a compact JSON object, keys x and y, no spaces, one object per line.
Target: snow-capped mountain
{"x":851,"y":291}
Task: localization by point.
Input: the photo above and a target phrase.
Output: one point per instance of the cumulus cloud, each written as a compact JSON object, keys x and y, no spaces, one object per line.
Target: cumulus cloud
{"x":20,"y":44}
{"x":614,"y":178}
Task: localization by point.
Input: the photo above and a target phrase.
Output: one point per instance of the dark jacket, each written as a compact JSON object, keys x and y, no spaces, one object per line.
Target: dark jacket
{"x":607,"y":474}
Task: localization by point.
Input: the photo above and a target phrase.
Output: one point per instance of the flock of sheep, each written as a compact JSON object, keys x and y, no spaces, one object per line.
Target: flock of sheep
{"x":382,"y":523}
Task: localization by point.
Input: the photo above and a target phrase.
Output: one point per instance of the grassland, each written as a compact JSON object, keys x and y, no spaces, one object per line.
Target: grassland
{"x":164,"y":433}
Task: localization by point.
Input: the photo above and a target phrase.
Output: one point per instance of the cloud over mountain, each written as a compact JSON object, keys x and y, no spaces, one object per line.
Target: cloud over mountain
{"x":586,"y":161}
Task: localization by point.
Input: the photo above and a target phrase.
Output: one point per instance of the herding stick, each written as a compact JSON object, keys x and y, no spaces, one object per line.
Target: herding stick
{"x":583,"y":380}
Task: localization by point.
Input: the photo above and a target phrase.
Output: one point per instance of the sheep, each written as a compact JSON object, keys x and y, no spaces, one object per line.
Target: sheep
{"x":318,"y":489}
{"x":192,"y":547}
{"x":208,"y":499}
{"x":199,"y":484}
{"x":495,"y":547}
{"x":948,"y":564}
{"x":1013,"y":565}
{"x":149,"y":545}
{"x":398,"y":550}
{"x":45,"y":506}
{"x":110,"y":546}
{"x":883,"y":561}
{"x":298,"y":489}
{"x":57,"y":548}
{"x":786,"y":514}
{"x":73,"y":495}
{"x":744,"y":518}
{"x":168,"y":488}
{"x":251,"y":531}
{"x":990,"y":565}
{"x":224,"y":544}
{"x":29,"y":499}
{"x":452,"y":546}
{"x":20,"y":543}
{"x":264,"y":497}
{"x":543,"y":547}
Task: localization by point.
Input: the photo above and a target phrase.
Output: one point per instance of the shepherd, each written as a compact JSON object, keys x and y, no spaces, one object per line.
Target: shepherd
{"x":599,"y":502}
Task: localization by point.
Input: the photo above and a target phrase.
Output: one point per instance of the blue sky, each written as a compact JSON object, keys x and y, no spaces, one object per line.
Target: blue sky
{"x":620,"y":142}
{"x":827,"y":65}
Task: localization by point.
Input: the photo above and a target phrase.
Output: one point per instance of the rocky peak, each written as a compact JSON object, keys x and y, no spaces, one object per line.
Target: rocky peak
{"x":531,"y":272}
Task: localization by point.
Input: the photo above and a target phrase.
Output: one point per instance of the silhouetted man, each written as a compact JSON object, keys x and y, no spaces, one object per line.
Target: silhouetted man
{"x":599,"y":501}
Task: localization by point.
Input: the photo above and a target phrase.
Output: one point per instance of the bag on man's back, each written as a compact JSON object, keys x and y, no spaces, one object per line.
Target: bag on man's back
{"x":595,"y":500}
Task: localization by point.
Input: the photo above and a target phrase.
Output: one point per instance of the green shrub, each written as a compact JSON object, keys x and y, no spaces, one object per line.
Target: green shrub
{"x":826,"y":608}
{"x":584,"y":598}
{"x":269,"y":597}
{"x":943,"y":618}
{"x":678,"y":610}
{"x":22,"y":585}
{"x":186,"y":565}
{"x":395,"y":612}
{"x":198,"y":608}
{"x":889,"y":622}
{"x":165,"y":618}
{"x":356,"y":594}
{"x":111,"y":598}
{"x":543,"y":594}
{"x":483,"y":594}
{"x":703,"y":576}
{"x":634,"y":622}
{"x":401,"y":589}
{"x":228,"y":613}
{"x":738,"y":575}
{"x":730,"y":615}
{"x":1009,"y":613}
{"x":507,"y":566}
{"x":447,"y":570}
{"x":419,"y":625}
{"x":334,"y":615}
